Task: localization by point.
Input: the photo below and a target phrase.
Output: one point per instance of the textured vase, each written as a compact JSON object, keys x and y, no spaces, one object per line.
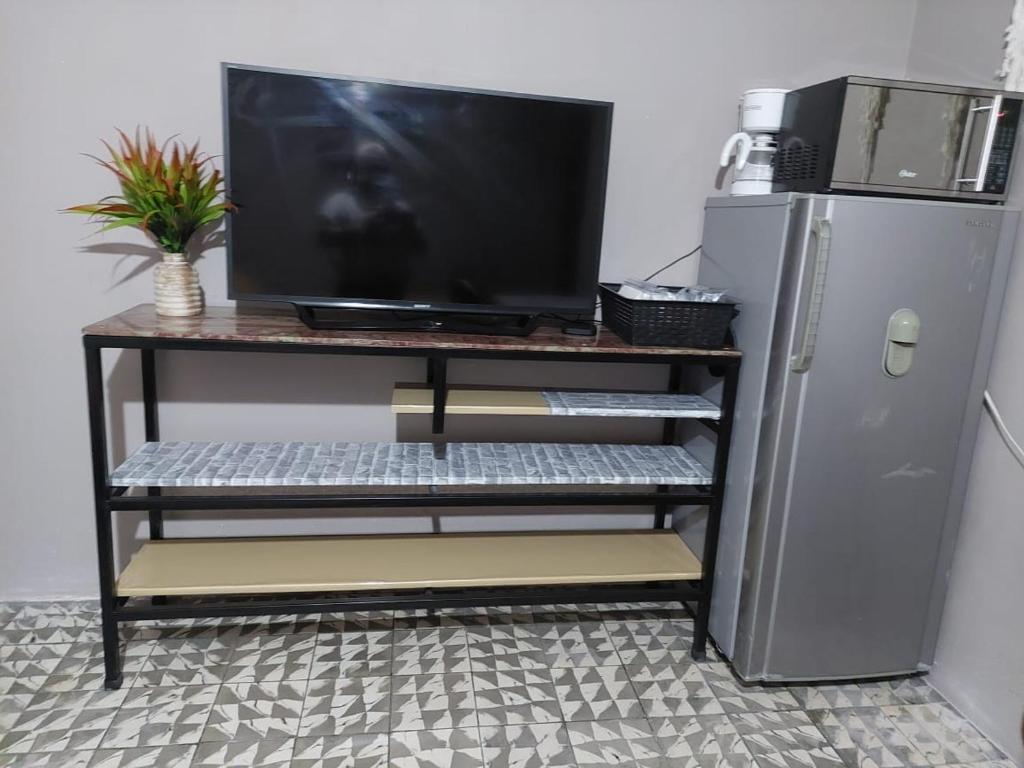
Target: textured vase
{"x":176,"y":287}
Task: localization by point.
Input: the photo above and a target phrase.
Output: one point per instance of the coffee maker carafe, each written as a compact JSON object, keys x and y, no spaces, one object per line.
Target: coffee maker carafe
{"x":754,"y":144}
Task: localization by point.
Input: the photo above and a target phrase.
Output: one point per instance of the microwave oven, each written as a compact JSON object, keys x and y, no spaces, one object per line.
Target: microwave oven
{"x":866,"y":135}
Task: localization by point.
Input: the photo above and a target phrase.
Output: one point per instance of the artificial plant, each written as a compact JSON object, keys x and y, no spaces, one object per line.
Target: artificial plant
{"x":168,"y":191}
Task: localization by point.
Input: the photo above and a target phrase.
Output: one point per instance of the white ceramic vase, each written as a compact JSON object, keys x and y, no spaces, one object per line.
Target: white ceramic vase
{"x":176,"y":287}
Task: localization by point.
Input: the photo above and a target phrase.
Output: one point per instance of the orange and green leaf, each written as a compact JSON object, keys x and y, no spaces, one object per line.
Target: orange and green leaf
{"x":167,"y":190}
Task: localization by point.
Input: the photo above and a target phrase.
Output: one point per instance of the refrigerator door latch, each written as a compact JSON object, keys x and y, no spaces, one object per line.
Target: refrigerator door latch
{"x":900,"y":341}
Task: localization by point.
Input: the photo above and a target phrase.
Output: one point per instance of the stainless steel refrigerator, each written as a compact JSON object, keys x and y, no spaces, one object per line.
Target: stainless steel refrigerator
{"x":867,"y":328}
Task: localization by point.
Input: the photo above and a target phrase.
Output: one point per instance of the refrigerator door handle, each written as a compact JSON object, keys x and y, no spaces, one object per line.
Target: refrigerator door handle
{"x":821,"y":227}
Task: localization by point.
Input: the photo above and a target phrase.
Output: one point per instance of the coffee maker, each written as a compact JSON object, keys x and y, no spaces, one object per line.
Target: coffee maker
{"x":754,"y":144}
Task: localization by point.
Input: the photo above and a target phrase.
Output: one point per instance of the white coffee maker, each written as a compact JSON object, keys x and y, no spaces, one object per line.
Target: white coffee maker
{"x":754,"y":144}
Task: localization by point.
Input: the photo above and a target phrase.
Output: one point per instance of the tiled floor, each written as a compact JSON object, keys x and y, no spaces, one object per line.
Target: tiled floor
{"x":593,"y":685}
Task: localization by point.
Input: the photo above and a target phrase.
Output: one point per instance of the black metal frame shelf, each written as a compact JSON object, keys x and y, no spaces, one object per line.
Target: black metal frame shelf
{"x":109,"y":499}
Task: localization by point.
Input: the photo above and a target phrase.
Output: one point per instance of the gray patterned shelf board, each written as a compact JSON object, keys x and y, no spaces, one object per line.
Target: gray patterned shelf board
{"x":630,"y":404}
{"x":345,"y":464}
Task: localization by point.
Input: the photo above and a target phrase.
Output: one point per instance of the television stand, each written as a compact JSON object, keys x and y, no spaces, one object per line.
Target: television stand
{"x":173,"y":577}
{"x":396,"y":320}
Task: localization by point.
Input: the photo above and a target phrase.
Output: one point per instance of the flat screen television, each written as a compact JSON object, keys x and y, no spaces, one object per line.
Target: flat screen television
{"x":373,"y":195}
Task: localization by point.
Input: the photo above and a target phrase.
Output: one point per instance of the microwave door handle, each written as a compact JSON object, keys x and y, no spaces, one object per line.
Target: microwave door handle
{"x":986,"y":149}
{"x":822,"y":230}
{"x":978,"y":180}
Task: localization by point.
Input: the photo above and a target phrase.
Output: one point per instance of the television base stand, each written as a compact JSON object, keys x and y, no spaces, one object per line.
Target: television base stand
{"x":331,"y":319}
{"x":579,"y":328}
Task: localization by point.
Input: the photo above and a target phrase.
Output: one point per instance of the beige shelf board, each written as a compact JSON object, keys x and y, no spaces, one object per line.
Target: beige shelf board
{"x":494,"y":401}
{"x":361,"y":563}
{"x":410,"y":398}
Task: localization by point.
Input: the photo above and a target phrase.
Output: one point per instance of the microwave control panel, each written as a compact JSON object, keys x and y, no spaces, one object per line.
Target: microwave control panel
{"x":997,"y":173}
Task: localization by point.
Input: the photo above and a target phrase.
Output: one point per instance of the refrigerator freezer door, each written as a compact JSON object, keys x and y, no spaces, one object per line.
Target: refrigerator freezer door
{"x":861,"y":462}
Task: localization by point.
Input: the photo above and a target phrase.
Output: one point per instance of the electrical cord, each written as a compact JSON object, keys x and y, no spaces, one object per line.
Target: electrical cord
{"x":672,"y":263}
{"x":1004,"y":431}
{"x":597,"y":304}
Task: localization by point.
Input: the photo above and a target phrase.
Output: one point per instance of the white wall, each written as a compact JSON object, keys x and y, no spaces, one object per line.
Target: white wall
{"x":979,"y":665}
{"x":72,"y":71}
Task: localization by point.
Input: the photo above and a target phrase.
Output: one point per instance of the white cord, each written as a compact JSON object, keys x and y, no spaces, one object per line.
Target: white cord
{"x":1004,"y":432}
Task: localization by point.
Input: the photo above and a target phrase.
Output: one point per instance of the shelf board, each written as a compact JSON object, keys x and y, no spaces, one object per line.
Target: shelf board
{"x":191,"y":464}
{"x":415,"y":398}
{"x":437,"y":561}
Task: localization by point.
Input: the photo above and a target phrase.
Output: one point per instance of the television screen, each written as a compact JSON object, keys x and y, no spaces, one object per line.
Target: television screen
{"x":365,"y":194}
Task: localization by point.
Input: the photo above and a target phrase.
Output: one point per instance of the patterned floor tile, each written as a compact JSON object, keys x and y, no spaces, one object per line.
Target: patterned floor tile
{"x":252,"y":711}
{"x":54,"y":609}
{"x":866,"y":737}
{"x":454,"y":748}
{"x":474,"y":686}
{"x":668,"y":689}
{"x":915,"y":690}
{"x":643,"y":611}
{"x":227,"y":628}
{"x":51,"y":622}
{"x":70,"y":759}
{"x":516,"y":697}
{"x":430,"y":651}
{"x":704,"y":741}
{"x":25,"y":668}
{"x":432,"y":702}
{"x":182,"y":629}
{"x":363,"y":750}
{"x":81,"y":668}
{"x":429,"y":618}
{"x":499,"y":648}
{"x":173,"y":756}
{"x":845,"y":696}
{"x":357,"y":621}
{"x":58,"y":722}
{"x":596,"y":693}
{"x":191,"y":661}
{"x":11,"y":707}
{"x":271,"y":658}
{"x":351,"y":654}
{"x":293,"y":624}
{"x":616,"y":742}
{"x":7,"y":611}
{"x":536,"y":745}
{"x":567,"y":644}
{"x":16,"y":634}
{"x":151,"y":717}
{"x":511,"y":614}
{"x":737,"y":697}
{"x":269,"y":753}
{"x":346,"y":706}
{"x":785,"y":740}
{"x":579,"y":613}
{"x":651,"y":641}
{"x":941,"y":734}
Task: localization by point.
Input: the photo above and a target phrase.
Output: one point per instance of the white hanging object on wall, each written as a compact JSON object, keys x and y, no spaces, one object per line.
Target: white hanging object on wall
{"x":1012,"y":71}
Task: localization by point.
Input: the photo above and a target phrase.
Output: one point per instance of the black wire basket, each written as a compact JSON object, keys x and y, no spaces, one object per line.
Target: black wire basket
{"x":653,"y":323}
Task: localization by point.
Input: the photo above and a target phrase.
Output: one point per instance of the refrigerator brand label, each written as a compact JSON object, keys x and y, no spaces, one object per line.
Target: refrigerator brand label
{"x":980,"y":223}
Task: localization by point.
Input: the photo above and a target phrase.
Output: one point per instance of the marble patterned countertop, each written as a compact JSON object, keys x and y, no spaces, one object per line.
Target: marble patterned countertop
{"x":283,"y":326}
